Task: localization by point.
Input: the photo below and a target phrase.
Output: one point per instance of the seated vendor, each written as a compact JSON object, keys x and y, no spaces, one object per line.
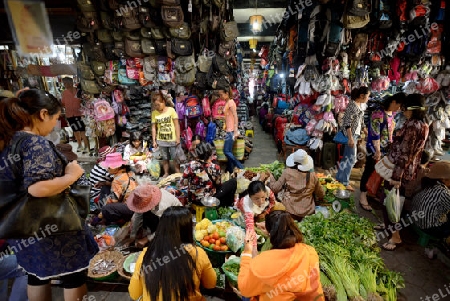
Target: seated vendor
{"x":433,"y":201}
{"x":300,"y":183}
{"x":137,"y":153}
{"x":201,"y":175}
{"x":148,"y":202}
{"x":258,"y":201}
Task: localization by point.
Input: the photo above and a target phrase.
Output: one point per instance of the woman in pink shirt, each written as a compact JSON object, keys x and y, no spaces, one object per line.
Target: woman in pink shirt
{"x":231,"y":124}
{"x":72,"y":106}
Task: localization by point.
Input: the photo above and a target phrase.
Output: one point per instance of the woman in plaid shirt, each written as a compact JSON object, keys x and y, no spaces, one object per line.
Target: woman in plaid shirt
{"x":353,"y":124}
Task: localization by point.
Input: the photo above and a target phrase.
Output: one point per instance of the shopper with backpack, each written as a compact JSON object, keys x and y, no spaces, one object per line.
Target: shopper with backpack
{"x":165,"y":129}
{"x":231,"y":124}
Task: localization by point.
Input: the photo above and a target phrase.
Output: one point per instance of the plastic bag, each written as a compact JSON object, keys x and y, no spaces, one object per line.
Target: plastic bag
{"x":235,"y":238}
{"x":242,"y":183}
{"x":180,"y":156}
{"x":374,"y":183}
{"x":229,"y":266}
{"x":154,"y":168}
{"x":394,"y":205}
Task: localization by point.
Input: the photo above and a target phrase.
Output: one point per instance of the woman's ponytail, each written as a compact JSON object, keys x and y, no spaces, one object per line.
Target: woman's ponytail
{"x":13,"y":118}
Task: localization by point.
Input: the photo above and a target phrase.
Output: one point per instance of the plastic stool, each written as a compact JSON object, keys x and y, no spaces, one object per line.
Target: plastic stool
{"x":199,"y":210}
{"x":424,"y":238}
{"x":249,"y":133}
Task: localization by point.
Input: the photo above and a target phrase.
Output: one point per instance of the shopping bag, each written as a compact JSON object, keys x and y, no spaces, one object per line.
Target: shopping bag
{"x":180,"y":156}
{"x":394,"y":205}
{"x":374,"y":183}
{"x":340,"y":138}
{"x":230,"y":268}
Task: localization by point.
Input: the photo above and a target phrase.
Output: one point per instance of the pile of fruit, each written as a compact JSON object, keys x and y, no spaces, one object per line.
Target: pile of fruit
{"x":212,"y":235}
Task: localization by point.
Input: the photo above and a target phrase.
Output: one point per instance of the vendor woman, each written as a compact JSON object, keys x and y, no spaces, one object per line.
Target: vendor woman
{"x":258,"y":202}
{"x":300,"y":183}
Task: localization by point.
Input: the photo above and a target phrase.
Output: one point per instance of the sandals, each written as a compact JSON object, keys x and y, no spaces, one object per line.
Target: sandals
{"x":350,"y":188}
{"x":366,"y":207}
{"x":379,"y":227}
{"x":390,"y":246}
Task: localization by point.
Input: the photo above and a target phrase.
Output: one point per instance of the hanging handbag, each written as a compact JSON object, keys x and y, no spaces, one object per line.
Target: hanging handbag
{"x":340,"y":138}
{"x":23,"y":215}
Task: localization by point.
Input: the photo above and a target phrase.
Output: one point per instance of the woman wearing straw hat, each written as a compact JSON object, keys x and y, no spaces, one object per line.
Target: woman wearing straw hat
{"x":434,"y":201}
{"x":148,"y":202}
{"x":301,"y":185}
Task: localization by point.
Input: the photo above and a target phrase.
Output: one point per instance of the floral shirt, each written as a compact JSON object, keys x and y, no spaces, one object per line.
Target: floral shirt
{"x":201,"y":179}
{"x":381,"y":127}
{"x":406,"y":150}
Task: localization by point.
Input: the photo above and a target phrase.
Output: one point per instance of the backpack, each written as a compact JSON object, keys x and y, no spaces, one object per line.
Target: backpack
{"x":180,"y":107}
{"x":103,"y":110}
{"x":193,"y":107}
{"x":206,"y":106}
{"x":218,"y":109}
{"x":211,"y":132}
{"x":359,"y":46}
{"x":360,"y":7}
{"x":200,"y":129}
{"x":319,"y":26}
{"x":187,"y":137}
{"x":334,"y":36}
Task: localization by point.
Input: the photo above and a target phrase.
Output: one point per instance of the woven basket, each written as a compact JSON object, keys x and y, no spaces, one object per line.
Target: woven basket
{"x":122,"y":271}
{"x":115,"y":256}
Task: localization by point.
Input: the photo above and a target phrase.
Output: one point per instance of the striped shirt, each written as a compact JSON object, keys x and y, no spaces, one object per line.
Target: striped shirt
{"x":434,"y":202}
{"x":353,"y":118}
{"x":98,"y":174}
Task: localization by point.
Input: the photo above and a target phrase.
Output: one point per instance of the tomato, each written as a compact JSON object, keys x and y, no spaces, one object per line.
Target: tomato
{"x":205,"y":243}
{"x":216,"y":235}
{"x":218,"y":242}
{"x":207,"y":237}
{"x":216,"y":248}
{"x":223,"y":240}
{"x":212,"y":241}
{"x":224,"y":248}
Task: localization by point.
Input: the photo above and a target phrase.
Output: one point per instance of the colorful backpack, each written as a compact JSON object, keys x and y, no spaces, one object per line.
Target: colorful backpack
{"x":103,"y":110}
{"x":187,"y":137}
{"x":211,"y":132}
{"x":218,"y":109}
{"x":180,"y":107}
{"x":193,"y":107}
{"x":200,"y":129}
{"x":206,"y":106}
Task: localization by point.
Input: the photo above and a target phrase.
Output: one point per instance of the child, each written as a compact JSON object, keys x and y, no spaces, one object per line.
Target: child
{"x":137,"y":153}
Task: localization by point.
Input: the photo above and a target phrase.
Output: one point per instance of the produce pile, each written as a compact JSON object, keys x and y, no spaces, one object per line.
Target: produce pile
{"x":212,"y":236}
{"x":351,"y":267}
{"x":276,"y":169}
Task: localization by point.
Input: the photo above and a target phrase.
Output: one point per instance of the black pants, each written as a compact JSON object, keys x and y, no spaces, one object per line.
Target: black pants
{"x":117,"y":213}
{"x":369,"y":168}
{"x":226,"y":193}
{"x":69,"y":281}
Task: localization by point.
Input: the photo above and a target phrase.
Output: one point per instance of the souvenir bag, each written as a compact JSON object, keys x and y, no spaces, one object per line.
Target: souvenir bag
{"x":172,"y":16}
{"x":218,"y":109}
{"x":193,"y":107}
{"x":104,"y":116}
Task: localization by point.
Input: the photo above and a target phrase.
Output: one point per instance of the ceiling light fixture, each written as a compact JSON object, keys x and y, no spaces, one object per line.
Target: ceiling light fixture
{"x":252,"y":43}
{"x":256,"y":21}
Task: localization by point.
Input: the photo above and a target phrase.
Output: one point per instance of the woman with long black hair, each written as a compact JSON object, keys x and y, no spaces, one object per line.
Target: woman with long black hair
{"x":172,"y":267}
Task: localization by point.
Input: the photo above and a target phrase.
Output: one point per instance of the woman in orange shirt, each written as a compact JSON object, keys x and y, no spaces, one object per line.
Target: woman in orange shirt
{"x":289,"y":271}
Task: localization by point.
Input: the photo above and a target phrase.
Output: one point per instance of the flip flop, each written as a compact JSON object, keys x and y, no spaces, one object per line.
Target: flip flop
{"x":350,"y":188}
{"x":366,"y":207}
{"x":390,"y":246}
{"x":379,"y":227}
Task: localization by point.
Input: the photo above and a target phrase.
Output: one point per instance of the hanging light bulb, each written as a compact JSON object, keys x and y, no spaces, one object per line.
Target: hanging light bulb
{"x":256,"y":22}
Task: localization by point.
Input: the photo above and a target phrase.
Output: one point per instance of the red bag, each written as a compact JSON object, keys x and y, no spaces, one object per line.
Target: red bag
{"x":374,"y":183}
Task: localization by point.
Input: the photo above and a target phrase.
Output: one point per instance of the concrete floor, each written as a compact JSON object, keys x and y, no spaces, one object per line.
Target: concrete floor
{"x":425,"y":279}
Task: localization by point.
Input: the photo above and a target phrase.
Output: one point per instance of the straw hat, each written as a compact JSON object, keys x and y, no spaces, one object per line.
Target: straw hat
{"x":113,"y":160}
{"x":439,"y":170}
{"x":144,"y":198}
{"x":66,"y":150}
{"x":102,"y":152}
{"x":302,"y":159}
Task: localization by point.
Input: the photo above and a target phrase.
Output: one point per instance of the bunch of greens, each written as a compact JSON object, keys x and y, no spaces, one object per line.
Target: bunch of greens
{"x":276,"y":168}
{"x":349,"y":257}
{"x":225,"y":212}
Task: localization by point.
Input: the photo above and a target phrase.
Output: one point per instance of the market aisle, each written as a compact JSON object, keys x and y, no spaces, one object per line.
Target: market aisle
{"x":264,"y":148}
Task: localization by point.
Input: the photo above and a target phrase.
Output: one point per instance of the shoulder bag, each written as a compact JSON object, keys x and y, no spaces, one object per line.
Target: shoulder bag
{"x":22,"y":215}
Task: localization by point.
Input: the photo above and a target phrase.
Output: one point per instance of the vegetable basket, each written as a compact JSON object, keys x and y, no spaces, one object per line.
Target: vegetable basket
{"x":110,"y":257}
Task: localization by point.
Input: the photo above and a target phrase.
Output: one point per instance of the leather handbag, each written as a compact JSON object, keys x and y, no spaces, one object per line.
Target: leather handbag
{"x":22,"y":215}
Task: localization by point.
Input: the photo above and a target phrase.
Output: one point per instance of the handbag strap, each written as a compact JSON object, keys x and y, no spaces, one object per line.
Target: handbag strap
{"x":15,"y":150}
